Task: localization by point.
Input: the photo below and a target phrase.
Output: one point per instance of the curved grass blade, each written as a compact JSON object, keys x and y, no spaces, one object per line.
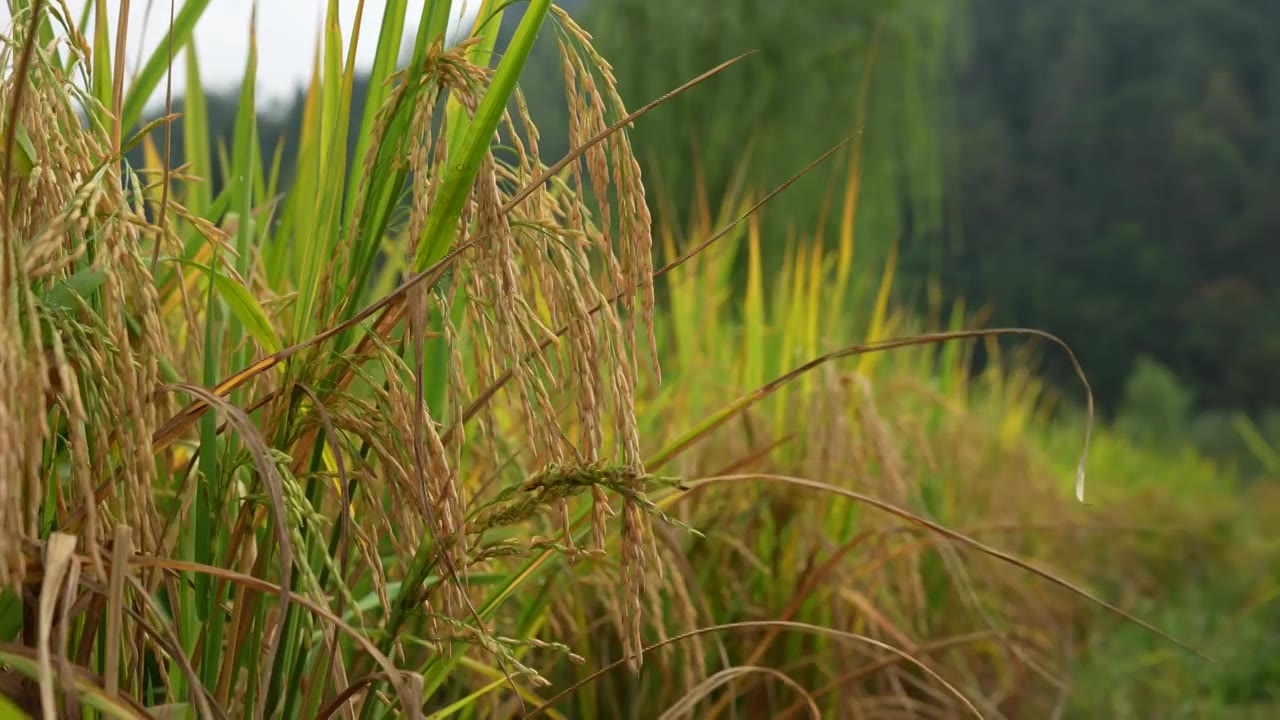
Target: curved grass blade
{"x":728,"y":675}
{"x":954,"y":536}
{"x":732,"y":409}
{"x":69,"y":293}
{"x":867,"y":669}
{"x":243,"y":305}
{"x":88,"y":688}
{"x":754,"y":624}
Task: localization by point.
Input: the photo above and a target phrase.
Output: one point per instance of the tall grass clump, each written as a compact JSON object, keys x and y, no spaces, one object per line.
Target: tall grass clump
{"x":357,"y":448}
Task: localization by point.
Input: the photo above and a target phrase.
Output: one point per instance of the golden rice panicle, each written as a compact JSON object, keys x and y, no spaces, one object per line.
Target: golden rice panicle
{"x":32,"y":368}
{"x":425,"y":154}
{"x":593,"y":101}
{"x":74,"y":360}
{"x":635,"y":223}
{"x":529,"y":268}
{"x":442,"y":503}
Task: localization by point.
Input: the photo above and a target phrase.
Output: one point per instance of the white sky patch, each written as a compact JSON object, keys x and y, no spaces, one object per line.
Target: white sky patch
{"x":287,"y":31}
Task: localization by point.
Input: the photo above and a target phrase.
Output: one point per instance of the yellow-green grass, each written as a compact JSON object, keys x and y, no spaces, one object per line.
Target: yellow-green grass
{"x":300,"y":549}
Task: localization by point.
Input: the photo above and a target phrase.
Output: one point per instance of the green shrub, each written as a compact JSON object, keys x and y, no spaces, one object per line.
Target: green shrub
{"x":1156,"y":407}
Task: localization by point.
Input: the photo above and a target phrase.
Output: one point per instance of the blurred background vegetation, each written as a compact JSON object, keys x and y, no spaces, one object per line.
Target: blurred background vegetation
{"x":1099,"y":169}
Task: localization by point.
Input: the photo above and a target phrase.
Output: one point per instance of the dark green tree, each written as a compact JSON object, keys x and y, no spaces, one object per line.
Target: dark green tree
{"x":1111,"y":178}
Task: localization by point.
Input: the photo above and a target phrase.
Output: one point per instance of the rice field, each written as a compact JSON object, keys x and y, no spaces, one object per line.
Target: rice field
{"x":447,"y":428}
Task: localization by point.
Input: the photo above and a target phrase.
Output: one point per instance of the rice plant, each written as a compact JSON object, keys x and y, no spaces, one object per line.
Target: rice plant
{"x":256,"y":471}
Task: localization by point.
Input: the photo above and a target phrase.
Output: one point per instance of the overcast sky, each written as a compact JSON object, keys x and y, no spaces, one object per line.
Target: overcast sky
{"x":287,"y":35}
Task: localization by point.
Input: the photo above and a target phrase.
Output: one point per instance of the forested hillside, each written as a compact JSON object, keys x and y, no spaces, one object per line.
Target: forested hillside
{"x":1113,"y":176}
